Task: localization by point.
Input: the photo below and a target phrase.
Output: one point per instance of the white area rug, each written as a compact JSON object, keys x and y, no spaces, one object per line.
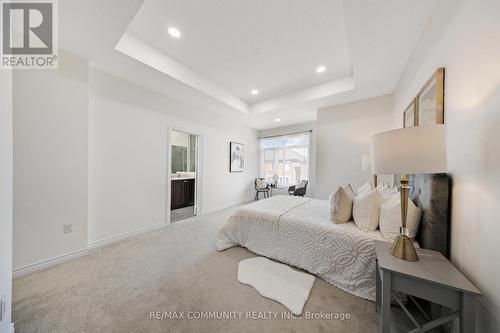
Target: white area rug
{"x":277,"y":282}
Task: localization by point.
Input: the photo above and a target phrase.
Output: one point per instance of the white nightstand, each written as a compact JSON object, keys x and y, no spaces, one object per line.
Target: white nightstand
{"x":433,"y":278}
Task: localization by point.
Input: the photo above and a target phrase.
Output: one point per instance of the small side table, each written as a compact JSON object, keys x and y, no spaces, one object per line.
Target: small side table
{"x":433,"y":278}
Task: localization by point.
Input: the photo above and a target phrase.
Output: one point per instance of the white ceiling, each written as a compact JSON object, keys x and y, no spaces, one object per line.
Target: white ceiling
{"x":273,"y":46}
{"x":364,"y":43}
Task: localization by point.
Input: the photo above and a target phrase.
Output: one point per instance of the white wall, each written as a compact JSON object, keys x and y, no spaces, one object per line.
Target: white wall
{"x":128,"y":157}
{"x":6,"y":195}
{"x":50,"y":160}
{"x":91,"y":149}
{"x":343,"y":135}
{"x":303,"y":127}
{"x":464,"y":37}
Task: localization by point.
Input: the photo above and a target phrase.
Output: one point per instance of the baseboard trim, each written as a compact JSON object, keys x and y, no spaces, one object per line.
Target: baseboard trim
{"x":42,"y":264}
{"x":125,"y":235}
{"x":37,"y":266}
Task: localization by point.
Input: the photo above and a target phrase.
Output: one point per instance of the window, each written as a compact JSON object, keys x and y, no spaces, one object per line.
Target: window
{"x":285,"y":158}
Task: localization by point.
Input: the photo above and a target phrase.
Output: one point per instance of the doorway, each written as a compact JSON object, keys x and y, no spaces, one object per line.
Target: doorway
{"x":184,"y":175}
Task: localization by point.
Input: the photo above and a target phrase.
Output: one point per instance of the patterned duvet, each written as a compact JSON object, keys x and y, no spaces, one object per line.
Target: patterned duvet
{"x":298,"y":231}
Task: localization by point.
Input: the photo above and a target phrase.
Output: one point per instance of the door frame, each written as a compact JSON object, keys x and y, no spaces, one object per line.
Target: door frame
{"x":198,"y":171}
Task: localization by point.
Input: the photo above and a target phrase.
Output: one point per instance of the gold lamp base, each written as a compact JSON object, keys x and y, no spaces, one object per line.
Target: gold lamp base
{"x":403,"y":248}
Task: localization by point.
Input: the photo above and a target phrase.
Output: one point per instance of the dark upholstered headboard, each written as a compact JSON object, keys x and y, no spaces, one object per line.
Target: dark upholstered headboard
{"x":431,"y":193}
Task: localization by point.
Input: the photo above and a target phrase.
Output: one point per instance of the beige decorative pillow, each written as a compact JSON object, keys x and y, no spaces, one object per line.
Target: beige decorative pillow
{"x":366,"y":210}
{"x":341,"y":204}
{"x":390,"y":218}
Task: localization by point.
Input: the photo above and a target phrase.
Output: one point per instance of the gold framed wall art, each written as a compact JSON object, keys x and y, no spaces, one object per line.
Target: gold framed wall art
{"x":430,"y":100}
{"x":410,"y":114}
{"x":428,"y":106}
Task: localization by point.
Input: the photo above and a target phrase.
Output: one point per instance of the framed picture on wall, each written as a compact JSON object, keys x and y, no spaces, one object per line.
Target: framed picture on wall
{"x":430,"y":100}
{"x":410,"y":114}
{"x":236,"y":157}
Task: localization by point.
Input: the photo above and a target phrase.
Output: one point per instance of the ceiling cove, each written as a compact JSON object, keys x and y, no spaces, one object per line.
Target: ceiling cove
{"x":222,"y":50}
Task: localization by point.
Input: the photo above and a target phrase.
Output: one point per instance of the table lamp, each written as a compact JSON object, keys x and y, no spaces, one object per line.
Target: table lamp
{"x":366,"y":164}
{"x":413,"y":150}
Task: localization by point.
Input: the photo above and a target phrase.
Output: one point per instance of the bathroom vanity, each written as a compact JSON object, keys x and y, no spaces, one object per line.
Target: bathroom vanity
{"x":182,"y":192}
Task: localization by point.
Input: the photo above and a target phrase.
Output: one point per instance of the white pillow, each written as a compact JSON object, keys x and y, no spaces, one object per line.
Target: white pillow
{"x":301,"y":184}
{"x":390,"y":218}
{"x":366,"y":210}
{"x":341,"y":204}
{"x":261,"y":183}
{"x":389,"y":192}
{"x":382,"y":187}
{"x":366,"y":187}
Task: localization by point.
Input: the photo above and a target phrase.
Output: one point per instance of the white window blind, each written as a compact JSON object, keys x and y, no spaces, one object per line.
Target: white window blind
{"x":285,"y":158}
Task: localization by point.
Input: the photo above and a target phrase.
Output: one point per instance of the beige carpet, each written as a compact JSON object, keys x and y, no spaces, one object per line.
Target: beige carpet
{"x":176,"y":268}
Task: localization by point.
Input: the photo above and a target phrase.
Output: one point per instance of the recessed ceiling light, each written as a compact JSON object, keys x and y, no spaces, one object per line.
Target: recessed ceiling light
{"x":174,"y":32}
{"x":277,"y":120}
{"x":254,"y":92}
{"x":320,"y":69}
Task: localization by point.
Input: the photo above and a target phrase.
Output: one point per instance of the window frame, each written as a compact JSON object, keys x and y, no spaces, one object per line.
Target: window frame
{"x":276,"y":161}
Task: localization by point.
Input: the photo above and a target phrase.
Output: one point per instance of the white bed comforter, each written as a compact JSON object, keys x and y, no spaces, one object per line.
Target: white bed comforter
{"x":298,"y":231}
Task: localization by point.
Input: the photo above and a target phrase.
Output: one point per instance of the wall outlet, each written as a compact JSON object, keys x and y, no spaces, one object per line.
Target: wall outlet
{"x":68,"y":228}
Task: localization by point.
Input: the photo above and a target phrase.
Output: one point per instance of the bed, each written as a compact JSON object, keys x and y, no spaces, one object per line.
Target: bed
{"x":298,"y":231}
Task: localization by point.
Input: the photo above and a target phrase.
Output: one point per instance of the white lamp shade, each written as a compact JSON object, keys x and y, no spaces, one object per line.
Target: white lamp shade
{"x":366,"y":162}
{"x":412,"y":150}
